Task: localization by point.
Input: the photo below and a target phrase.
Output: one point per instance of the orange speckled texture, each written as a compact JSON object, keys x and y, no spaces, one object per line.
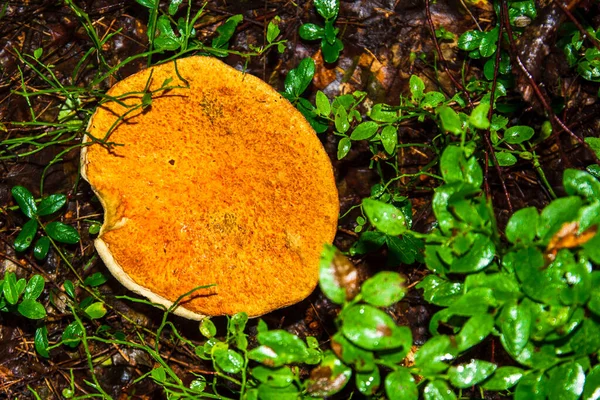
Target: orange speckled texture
{"x":222,"y":183}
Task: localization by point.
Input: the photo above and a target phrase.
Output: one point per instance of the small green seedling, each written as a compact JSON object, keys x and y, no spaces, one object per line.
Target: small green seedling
{"x":331,"y":45}
{"x":53,"y":230}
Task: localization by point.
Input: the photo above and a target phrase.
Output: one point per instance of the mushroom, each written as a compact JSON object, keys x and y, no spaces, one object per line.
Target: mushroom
{"x":219,"y":181}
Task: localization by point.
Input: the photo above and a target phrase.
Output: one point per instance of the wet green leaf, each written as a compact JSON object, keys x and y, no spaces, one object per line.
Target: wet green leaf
{"x":273,"y":29}
{"x":383,"y":113}
{"x":479,"y":256}
{"x":465,"y":375}
{"x":328,"y":378}
{"x":433,"y":356}
{"x":228,"y":360}
{"x":368,"y":383}
{"x":267,"y":392}
{"x":25,"y":237}
{"x":34,"y":287}
{"x":41,"y":248}
{"x":10,"y":288}
{"x":566,"y":381}
{"x":515,"y":323}
{"x":487,"y":46}
{"x":62,"y":233}
{"x":368,"y":242}
{"x":331,"y":51}
{"x":373,"y":329}
{"x":594,"y":144}
{"x":40,"y":341}
{"x":475,"y":301}
{"x":505,"y":159}
{"x":432,"y":99}
{"x":438,"y":390}
{"x":31,"y":309}
{"x":361,"y":360}
{"x":522,"y":225}
{"x":208,"y":328}
{"x":226,"y":31}
{"x":457,"y":168}
{"x":475,"y":330}
{"x":298,"y":79}
{"x":503,"y":284}
{"x":328,"y":9}
{"x":400,"y":385}
{"x":344,"y":146}
{"x":417,"y":87}
{"x":72,"y":334}
{"x":591,"y":390}
{"x":277,"y":348}
{"x":311,"y":32}
{"x":385,"y":217}
{"x":322,"y":103}
{"x":274,"y":377}
{"x":51,"y":204}
{"x":532,"y":386}
{"x":25,"y":200}
{"x":439,"y":291}
{"x":389,"y":138}
{"x":470,"y":40}
{"x":384,"y":289}
{"x":558,"y":212}
{"x":342,"y":124}
{"x":69,"y":288}
{"x":581,"y":183}
{"x":586,"y":339}
{"x":503,"y":379}
{"x":404,"y":249}
{"x":364,"y":131}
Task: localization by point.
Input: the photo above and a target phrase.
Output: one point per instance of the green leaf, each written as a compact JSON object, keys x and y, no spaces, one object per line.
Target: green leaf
{"x":174,"y":6}
{"x":329,"y":281}
{"x":432,"y":99}
{"x":322,"y":102}
{"x":404,"y":249}
{"x":515,"y":323}
{"x":479,"y":256}
{"x":327,"y":9}
{"x":228,"y":360}
{"x":298,"y":79}
{"x":456,"y":168}
{"x":278,"y":348}
{"x":438,"y":390}
{"x":417,"y":87}
{"x":400,"y":385}
{"x":594,"y":144}
{"x":518,"y":134}
{"x":566,"y":381}
{"x":25,"y":200}
{"x":275,"y":377}
{"x":591,"y":390}
{"x":586,"y":339}
{"x":25,"y":237}
{"x":431,"y":358}
{"x":69,"y":288}
{"x":34,"y":287}
{"x":450,"y":120}
{"x":344,"y":147}
{"x":474,"y":331}
{"x":268,"y":392}
{"x":487,"y":45}
{"x":505,"y":159}
{"x":385,"y":217}
{"x":384,"y":289}
{"x":95,"y":310}
{"x":522,"y":226}
{"x":341,"y":120}
{"x":439,"y":291}
{"x":225,"y":32}
{"x":581,"y":183}
{"x":311,"y":32}
{"x":62,"y":233}
{"x":147,"y":3}
{"x":373,"y":329}
{"x":95,"y":280}
{"x":503,"y":284}
{"x":208,"y":328}
{"x":328,"y":378}
{"x":383,"y":113}
{"x":40,"y":341}
{"x":166,"y":40}
{"x":503,"y":379}
{"x":368,"y":383}
{"x":31,"y":309}
{"x":389,"y":138}
{"x":51,"y":204}
{"x":532,"y":386}
{"x":479,"y":116}
{"x":470,"y":40}
{"x":368,"y":242}
{"x":41,"y":248}
{"x":364,"y":131}
{"x":273,"y":29}
{"x":10,"y":288}
{"x":359,"y":359}
{"x":463,"y":376}
{"x":559,"y":211}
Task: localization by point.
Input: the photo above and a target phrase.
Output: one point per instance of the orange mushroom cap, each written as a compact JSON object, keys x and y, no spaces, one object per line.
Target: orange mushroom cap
{"x":223,"y":182}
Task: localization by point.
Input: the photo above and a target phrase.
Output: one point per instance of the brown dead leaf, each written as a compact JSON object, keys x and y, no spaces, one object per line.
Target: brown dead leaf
{"x":568,"y":237}
{"x":346,"y":275}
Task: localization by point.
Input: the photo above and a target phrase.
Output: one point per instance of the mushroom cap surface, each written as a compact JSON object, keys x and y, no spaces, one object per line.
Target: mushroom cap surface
{"x":220,"y":183}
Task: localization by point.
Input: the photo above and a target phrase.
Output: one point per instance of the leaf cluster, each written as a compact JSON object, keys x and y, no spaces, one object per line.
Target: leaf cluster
{"x":331,"y":45}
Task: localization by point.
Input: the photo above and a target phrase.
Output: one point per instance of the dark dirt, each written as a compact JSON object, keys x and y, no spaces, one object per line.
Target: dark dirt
{"x":379,"y":37}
